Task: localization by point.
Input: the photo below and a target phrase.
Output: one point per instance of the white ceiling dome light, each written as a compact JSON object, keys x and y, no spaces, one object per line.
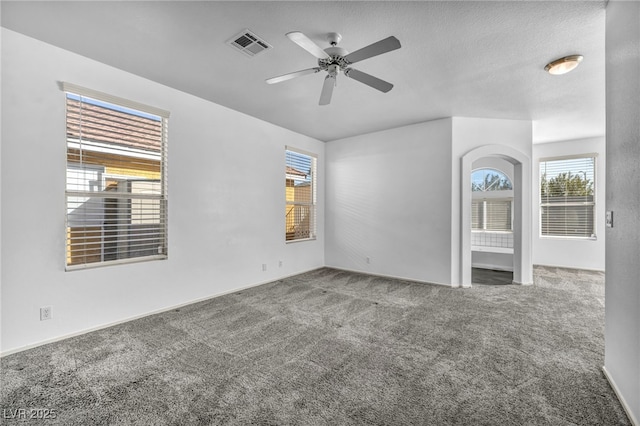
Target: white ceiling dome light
{"x":563,"y":65}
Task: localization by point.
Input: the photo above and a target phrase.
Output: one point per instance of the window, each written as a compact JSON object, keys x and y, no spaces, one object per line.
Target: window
{"x":491,"y":206}
{"x":300,"y":189}
{"x":116,"y":190}
{"x":567,"y":197}
{"x":483,"y":180}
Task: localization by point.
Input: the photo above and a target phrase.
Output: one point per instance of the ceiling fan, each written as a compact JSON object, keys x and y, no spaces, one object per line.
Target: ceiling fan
{"x":335,"y":59}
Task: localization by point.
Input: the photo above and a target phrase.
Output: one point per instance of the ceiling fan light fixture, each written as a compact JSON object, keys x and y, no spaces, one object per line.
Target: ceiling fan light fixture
{"x":563,"y":65}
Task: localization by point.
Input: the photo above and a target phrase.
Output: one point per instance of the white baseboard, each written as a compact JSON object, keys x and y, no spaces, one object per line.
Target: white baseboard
{"x":135,"y":317}
{"x":575,"y":268}
{"x":623,"y":402}
{"x":389,"y":276}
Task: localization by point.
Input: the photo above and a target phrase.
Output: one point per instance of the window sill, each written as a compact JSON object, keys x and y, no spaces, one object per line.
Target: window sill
{"x":94,"y":265}
{"x":488,"y":231}
{"x":566,"y":237}
{"x":490,"y":249}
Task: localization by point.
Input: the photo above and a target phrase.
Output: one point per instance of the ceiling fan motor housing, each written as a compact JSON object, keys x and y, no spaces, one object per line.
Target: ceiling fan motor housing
{"x":336,"y":57}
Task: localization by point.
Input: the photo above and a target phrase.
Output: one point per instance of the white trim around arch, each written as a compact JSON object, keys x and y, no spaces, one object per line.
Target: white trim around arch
{"x":522,"y":242}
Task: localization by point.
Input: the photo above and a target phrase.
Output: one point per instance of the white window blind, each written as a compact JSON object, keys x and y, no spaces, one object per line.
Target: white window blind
{"x":477,"y":215}
{"x":116,"y":191}
{"x":498,"y":215}
{"x":300,"y":190}
{"x":567,"y":197}
{"x":491,"y":215}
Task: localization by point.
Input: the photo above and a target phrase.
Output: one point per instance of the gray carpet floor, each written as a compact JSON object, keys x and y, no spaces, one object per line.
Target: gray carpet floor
{"x":337,"y":348}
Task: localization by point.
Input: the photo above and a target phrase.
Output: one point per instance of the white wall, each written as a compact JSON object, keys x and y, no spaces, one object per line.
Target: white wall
{"x":224,"y":222}
{"x":496,"y":163}
{"x":388,"y":199}
{"x":622,"y":290}
{"x":382,"y":188}
{"x":489,"y":260}
{"x":570,"y":253}
{"x":1,"y":316}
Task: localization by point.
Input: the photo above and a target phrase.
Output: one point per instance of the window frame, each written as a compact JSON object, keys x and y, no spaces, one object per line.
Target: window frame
{"x":312,"y":204}
{"x":593,"y":204}
{"x":162,"y":197}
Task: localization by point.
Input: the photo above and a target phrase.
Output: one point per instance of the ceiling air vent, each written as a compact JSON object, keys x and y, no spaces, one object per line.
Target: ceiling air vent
{"x":248,"y":43}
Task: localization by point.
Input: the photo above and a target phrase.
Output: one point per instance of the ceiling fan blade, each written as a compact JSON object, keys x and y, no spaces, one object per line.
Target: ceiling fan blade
{"x":291,"y":75}
{"x":305,"y":42}
{"x":327,"y":90}
{"x":368,"y":79}
{"x":375,"y":49}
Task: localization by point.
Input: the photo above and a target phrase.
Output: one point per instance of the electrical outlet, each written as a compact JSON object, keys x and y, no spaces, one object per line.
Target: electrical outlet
{"x":264,"y":267}
{"x":280,"y":264}
{"x":46,"y":313}
{"x":368,"y":259}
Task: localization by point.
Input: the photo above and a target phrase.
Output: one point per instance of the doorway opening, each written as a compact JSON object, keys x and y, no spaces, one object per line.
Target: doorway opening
{"x":518,"y":208}
{"x":491,"y":220}
{"x":491,"y":276}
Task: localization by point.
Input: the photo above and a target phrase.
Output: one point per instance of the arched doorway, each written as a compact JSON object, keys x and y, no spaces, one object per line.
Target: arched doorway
{"x":522,"y":262}
{"x":492,"y":220}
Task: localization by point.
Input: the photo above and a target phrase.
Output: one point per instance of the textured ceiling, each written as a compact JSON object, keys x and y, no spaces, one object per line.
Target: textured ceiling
{"x":458,"y":58}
